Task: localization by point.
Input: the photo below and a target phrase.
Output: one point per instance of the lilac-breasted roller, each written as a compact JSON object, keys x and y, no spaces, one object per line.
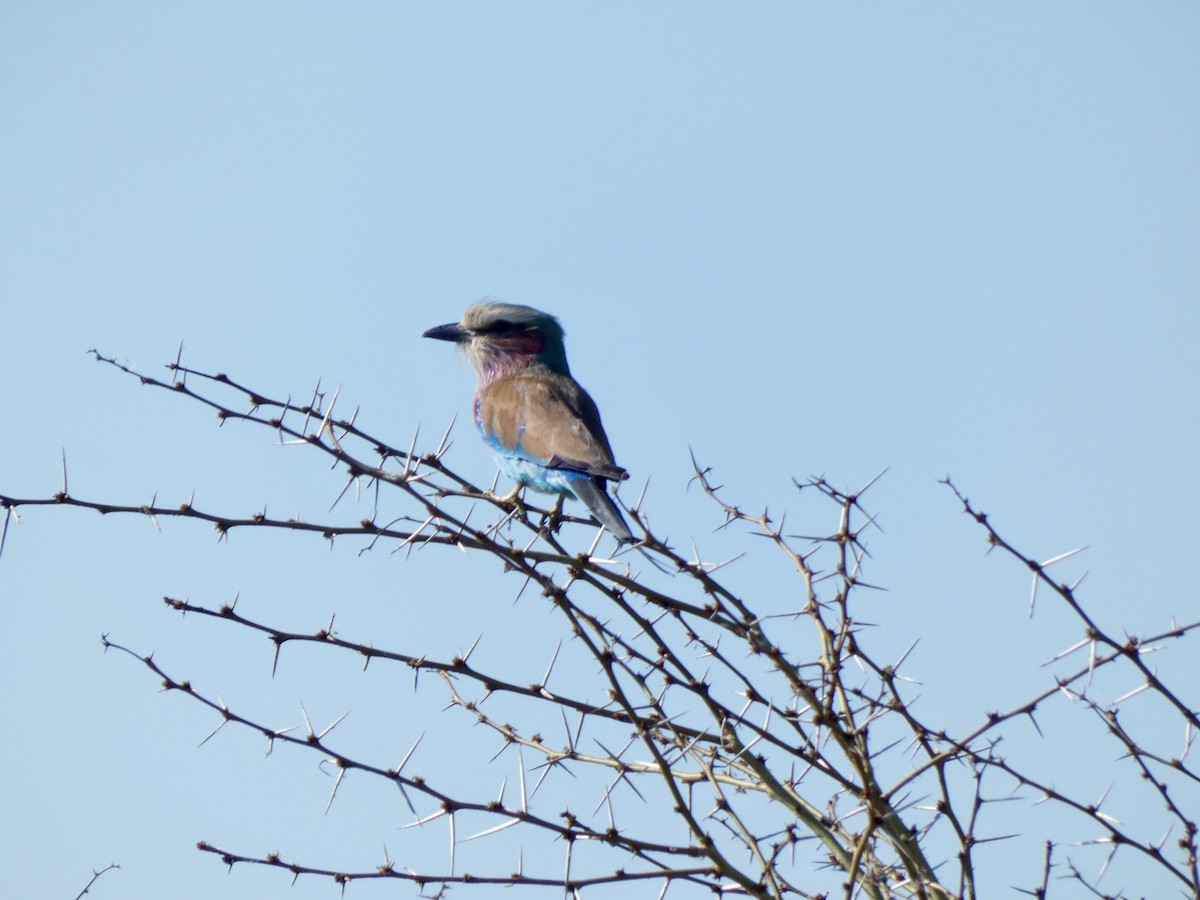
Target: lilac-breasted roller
{"x":541,"y":426}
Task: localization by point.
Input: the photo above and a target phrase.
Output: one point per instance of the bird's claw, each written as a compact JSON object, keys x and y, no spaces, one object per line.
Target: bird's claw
{"x":553,"y":519}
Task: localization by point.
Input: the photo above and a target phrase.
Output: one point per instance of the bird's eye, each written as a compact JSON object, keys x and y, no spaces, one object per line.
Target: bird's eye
{"x":504,"y":327}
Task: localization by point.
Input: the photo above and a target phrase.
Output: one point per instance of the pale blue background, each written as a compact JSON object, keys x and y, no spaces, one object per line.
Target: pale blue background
{"x":801,"y":239}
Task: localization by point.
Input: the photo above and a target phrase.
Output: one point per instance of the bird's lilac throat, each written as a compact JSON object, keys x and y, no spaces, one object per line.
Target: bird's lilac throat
{"x":494,"y":359}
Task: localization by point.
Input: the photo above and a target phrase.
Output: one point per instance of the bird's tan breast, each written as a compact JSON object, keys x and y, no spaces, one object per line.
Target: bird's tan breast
{"x":548,"y":415}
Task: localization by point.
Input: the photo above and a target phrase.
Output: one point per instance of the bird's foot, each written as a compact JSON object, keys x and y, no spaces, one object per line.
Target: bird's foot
{"x":514,"y":499}
{"x":514,"y":496}
{"x":552,"y":520}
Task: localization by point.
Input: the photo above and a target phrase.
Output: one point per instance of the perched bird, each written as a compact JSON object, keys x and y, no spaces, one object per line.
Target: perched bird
{"x":541,"y":426}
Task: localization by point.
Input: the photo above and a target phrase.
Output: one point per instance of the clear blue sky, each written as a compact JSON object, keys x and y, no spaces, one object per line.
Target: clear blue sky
{"x":799,"y":238}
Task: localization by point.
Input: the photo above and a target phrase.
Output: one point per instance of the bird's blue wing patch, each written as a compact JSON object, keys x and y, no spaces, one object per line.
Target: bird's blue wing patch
{"x":521,"y":467}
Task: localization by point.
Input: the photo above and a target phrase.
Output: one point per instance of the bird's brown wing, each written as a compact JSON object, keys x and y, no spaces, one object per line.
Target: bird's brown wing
{"x":552,"y":419}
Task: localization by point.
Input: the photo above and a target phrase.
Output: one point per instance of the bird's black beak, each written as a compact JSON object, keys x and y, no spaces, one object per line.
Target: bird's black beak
{"x":452,"y":332}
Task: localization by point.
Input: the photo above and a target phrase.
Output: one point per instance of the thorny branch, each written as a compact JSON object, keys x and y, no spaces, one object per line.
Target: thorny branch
{"x":791,"y":776}
{"x":96,"y":874}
